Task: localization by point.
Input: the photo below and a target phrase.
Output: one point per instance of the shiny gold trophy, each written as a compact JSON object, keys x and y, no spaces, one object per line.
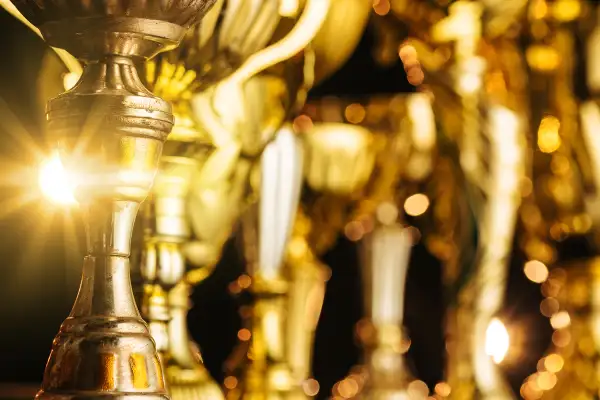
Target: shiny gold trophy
{"x":111,"y":131}
{"x":386,"y":255}
{"x":288,"y":365}
{"x":176,"y":76}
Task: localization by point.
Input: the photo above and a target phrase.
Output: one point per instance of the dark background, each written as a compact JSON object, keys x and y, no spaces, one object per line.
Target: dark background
{"x":40,"y":260}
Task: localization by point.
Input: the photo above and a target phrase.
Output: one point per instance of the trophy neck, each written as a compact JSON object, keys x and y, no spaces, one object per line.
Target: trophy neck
{"x":109,"y":226}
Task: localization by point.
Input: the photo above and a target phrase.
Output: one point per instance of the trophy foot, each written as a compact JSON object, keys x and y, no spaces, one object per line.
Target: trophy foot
{"x":103,"y":357}
{"x":129,"y":396}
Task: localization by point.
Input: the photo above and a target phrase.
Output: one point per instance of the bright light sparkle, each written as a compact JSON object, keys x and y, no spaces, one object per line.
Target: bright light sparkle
{"x":497,"y":341}
{"x":54,"y":182}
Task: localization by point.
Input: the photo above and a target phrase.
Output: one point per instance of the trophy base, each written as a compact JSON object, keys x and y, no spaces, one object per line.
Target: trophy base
{"x":43,"y":395}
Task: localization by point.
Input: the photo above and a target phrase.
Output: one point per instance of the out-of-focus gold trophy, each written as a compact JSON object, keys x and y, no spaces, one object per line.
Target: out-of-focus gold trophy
{"x":385,"y":266}
{"x":267,"y":226}
{"x":217,"y":184}
{"x":353,"y":148}
{"x":278,"y":367}
{"x":492,"y":156}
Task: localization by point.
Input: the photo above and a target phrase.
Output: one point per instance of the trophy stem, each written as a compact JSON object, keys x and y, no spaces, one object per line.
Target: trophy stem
{"x":104,"y":348}
{"x":269,"y":376}
{"x":386,"y":265}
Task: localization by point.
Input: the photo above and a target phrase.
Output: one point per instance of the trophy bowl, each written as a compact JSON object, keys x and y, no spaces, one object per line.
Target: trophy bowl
{"x":91,"y":30}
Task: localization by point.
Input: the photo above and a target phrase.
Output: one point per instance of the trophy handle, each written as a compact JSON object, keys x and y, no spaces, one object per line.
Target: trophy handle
{"x":307,"y":27}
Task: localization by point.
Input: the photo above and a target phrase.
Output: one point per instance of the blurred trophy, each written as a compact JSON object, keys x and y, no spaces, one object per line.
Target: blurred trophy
{"x":492,"y":148}
{"x":110,"y":131}
{"x":195,"y":177}
{"x":473,"y":67}
{"x":352,"y":173}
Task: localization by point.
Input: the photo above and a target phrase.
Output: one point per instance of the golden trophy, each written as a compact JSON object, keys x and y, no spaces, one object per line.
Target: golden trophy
{"x":353,"y":147}
{"x":217,"y":195}
{"x":472,"y":63}
{"x":267,"y":226}
{"x":186,"y":168}
{"x":110,"y":130}
{"x":189,"y":152}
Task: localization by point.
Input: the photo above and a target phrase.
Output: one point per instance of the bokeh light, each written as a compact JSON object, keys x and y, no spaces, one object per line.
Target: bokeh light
{"x":497,"y":341}
{"x":55,"y":183}
{"x":416,"y":204}
{"x":536,"y":271}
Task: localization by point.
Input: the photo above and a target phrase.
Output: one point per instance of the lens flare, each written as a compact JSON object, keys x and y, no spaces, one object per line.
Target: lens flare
{"x":497,"y":341}
{"x":54,"y":182}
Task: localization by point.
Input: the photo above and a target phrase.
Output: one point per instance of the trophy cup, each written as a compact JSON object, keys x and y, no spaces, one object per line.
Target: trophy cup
{"x":219,"y":191}
{"x":327,"y":55}
{"x":112,"y":129}
{"x":176,"y":77}
{"x":353,"y":148}
{"x":496,"y":195}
